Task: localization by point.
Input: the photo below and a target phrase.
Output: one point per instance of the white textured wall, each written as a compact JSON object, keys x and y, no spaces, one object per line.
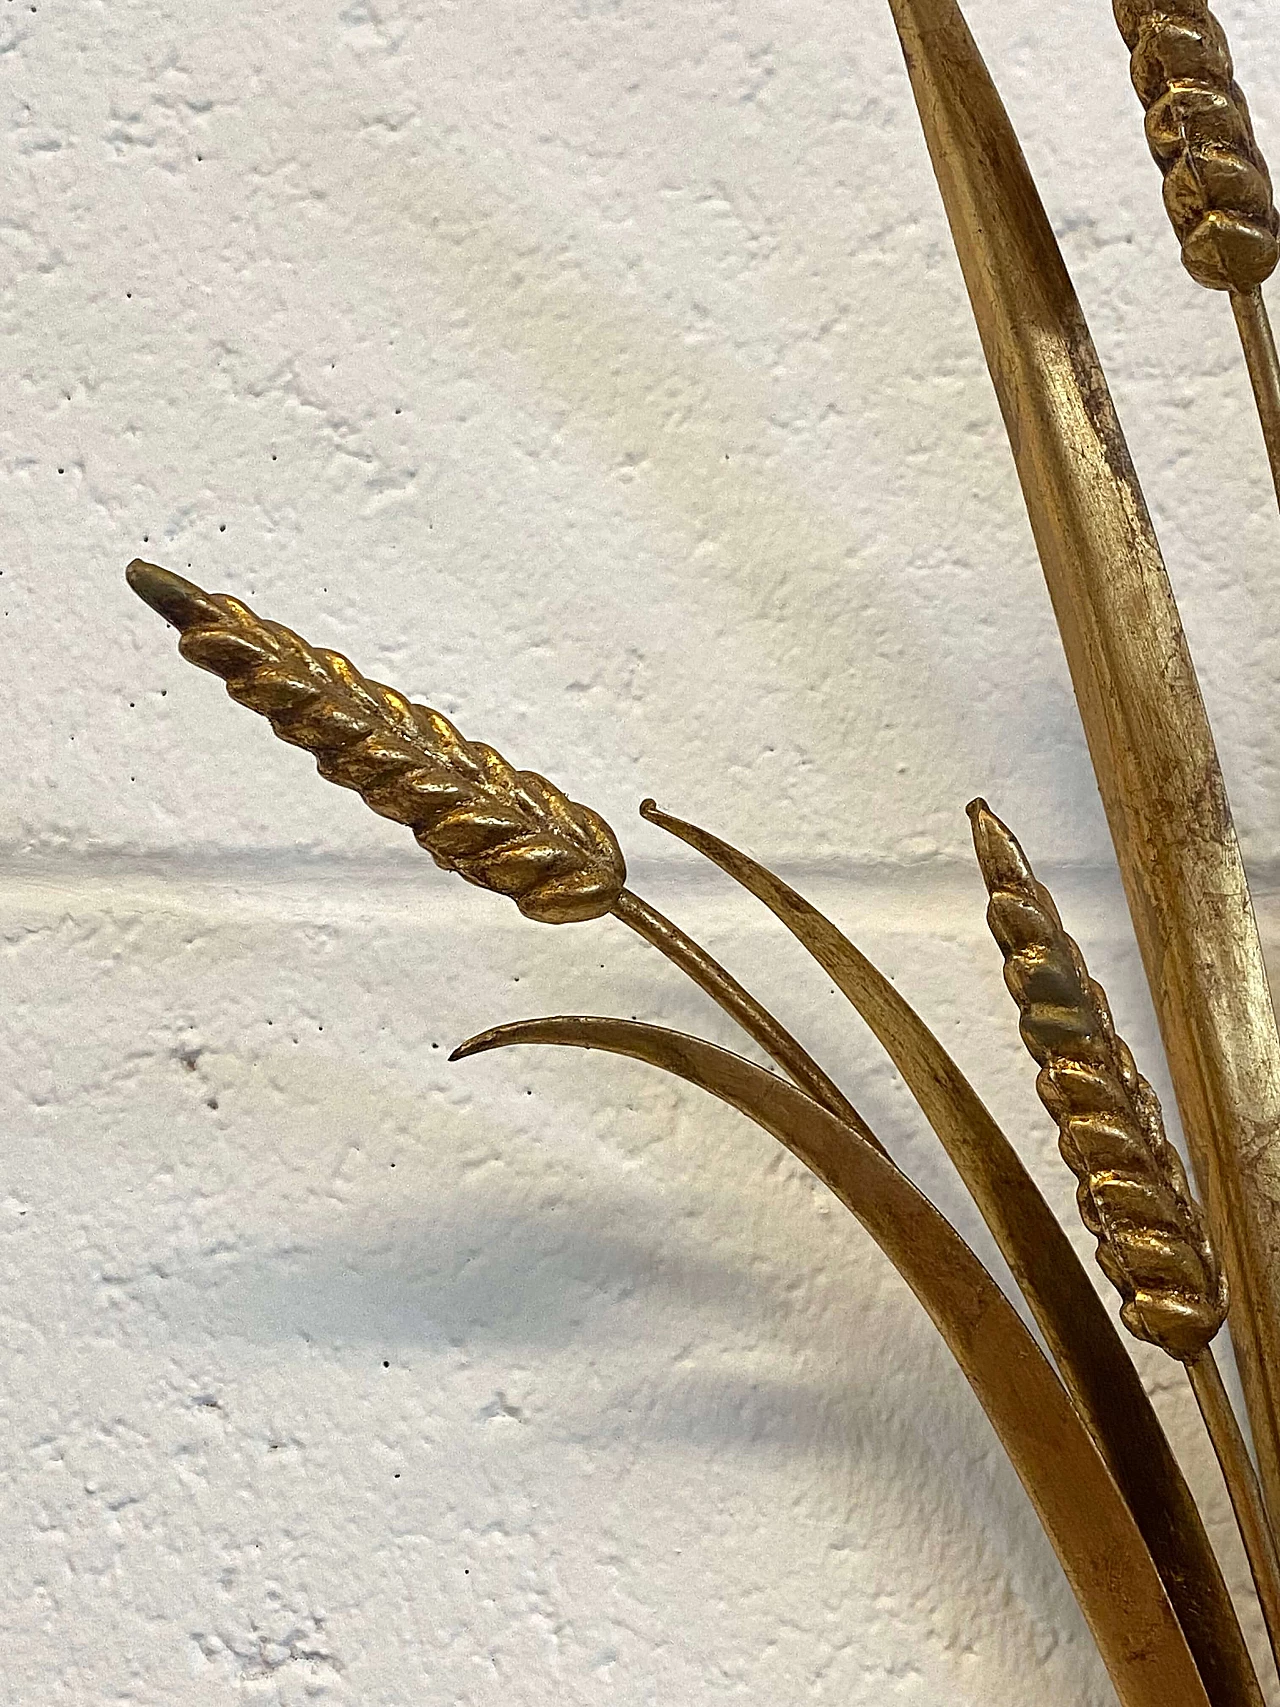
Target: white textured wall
{"x":601,"y":373}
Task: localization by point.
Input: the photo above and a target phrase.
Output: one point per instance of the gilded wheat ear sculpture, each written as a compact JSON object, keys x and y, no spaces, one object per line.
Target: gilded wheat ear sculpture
{"x":1217,"y":189}
{"x":1076,"y":1423}
{"x":503,"y":829}
{"x":1153,"y":1245}
{"x":1135,"y":683}
{"x":1132,"y":1190}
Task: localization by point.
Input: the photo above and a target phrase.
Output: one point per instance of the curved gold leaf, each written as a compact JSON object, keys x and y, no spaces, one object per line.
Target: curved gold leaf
{"x":1139,"y":699}
{"x":1092,"y":1529}
{"x":1098,"y":1371}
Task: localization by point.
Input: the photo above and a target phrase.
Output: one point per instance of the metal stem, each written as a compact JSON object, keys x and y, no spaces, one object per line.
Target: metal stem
{"x":1264,"y":369}
{"x":1243,"y":1487}
{"x":739,"y":1004}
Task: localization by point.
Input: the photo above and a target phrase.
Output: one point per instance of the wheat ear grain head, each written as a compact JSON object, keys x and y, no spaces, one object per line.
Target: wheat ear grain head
{"x":1217,"y":190}
{"x":503,"y":829}
{"x":1132,"y":1189}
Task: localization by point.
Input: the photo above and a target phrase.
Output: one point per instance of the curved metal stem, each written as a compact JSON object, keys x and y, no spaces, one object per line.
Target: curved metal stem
{"x":1264,"y":369}
{"x":1243,"y":1487}
{"x":725,"y":990}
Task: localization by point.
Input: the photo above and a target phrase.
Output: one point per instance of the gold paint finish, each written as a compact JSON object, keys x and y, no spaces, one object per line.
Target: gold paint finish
{"x":1217,"y":190}
{"x":1098,"y":1372}
{"x":1132,"y":1192}
{"x":507,"y":830}
{"x":725,"y":990}
{"x":1243,"y":1488}
{"x":1092,"y":1529}
{"x":1084,"y":1437}
{"x":1259,"y":345}
{"x":1137,"y":691}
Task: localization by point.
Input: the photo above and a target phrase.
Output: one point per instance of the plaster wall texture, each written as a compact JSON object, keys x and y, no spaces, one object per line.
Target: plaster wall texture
{"x":601,"y":374}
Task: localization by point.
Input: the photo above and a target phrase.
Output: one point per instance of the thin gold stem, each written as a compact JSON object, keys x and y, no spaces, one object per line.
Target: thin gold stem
{"x":739,"y":1004}
{"x":1243,"y":1488}
{"x":1264,"y":368}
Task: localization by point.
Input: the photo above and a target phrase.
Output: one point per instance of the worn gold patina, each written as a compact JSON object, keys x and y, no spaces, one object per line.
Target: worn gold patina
{"x":1080,"y":1430}
{"x":404,"y":761}
{"x":1135,"y":684}
{"x":1132,"y":1191}
{"x":1217,"y":189}
{"x":1097,"y":1371}
{"x":1094,"y":1533}
{"x":475,"y":814}
{"x":502,"y":829}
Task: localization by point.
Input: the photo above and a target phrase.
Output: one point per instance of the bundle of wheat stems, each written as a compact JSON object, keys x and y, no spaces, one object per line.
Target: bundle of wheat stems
{"x":1076,"y":1424}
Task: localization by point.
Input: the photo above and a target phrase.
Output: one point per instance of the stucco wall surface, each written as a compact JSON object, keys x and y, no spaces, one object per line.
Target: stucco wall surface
{"x":602,"y":375}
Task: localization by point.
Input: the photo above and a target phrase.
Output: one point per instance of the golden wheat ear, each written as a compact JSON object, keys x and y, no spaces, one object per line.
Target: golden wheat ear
{"x":506,"y":830}
{"x":1217,"y":190}
{"x":1153,"y":1245}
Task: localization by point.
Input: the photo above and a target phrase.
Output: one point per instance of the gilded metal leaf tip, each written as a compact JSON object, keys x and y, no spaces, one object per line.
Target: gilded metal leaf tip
{"x":1153,"y":1244}
{"x":506,"y":830}
{"x":1217,"y":190}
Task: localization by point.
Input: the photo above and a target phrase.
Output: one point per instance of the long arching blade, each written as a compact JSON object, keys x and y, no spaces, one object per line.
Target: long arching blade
{"x":1098,"y":1371}
{"x":1139,"y":700}
{"x":1092,"y":1529}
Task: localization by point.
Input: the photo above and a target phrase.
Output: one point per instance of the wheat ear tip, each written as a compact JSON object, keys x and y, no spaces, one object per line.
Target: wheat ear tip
{"x":178,"y":601}
{"x":506,"y":830}
{"x":999,"y":851}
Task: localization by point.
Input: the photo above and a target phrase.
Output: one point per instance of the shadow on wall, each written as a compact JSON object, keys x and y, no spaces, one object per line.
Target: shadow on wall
{"x":684,"y":1233}
{"x":696,"y":1333}
{"x":721,"y":1330}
